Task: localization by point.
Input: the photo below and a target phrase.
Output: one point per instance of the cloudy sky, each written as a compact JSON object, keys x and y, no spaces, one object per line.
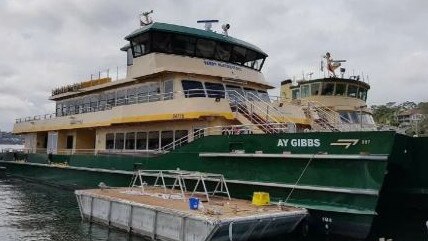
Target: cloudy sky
{"x":49,"y":43}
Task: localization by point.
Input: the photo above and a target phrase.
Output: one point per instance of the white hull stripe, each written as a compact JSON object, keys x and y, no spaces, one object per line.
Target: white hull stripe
{"x":380,"y":157}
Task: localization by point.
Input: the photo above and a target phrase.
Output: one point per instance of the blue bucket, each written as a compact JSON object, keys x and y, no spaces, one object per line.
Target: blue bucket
{"x":194,"y":203}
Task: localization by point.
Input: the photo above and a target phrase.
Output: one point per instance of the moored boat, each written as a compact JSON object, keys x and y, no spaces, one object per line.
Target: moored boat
{"x":197,"y":100}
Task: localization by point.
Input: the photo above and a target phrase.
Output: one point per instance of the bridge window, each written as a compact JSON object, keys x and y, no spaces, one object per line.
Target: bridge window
{"x":130,"y":141}
{"x":214,"y":90}
{"x":140,"y":45}
{"x":141,"y":141}
{"x":238,"y":55}
{"x":193,"y":88}
{"x":295,"y":94}
{"x":327,"y":89}
{"x":315,"y":89}
{"x":340,"y":89}
{"x":162,"y":42}
{"x":352,"y":90}
{"x":304,"y":91}
{"x":223,"y":52}
{"x":119,"y":141}
{"x":205,"y":48}
{"x":362,"y":94}
{"x":110,"y":141}
{"x":184,"y":45}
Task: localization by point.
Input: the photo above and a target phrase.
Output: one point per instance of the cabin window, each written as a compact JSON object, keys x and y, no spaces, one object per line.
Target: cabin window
{"x":231,"y":89}
{"x":327,"y":89}
{"x":352,"y":90}
{"x":129,"y":57}
{"x":295,"y":94}
{"x":111,"y":99}
{"x":340,"y":89}
{"x":154,"y":91}
{"x":153,"y":140}
{"x":94,"y":102}
{"x":238,"y":55}
{"x":110,"y":141}
{"x":184,"y":45}
{"x":119,"y":141}
{"x":223,"y":52}
{"x":180,"y":134}
{"x":251,"y":94}
{"x":69,"y":142}
{"x":315,"y":88}
{"x":168,"y":89}
{"x":264,"y":95}
{"x":162,"y":42}
{"x":131,"y":96}
{"x":214,"y":90}
{"x":120,"y":97}
{"x":141,"y":140}
{"x":58,"y":109}
{"x":140,"y":45}
{"x":86,"y":104}
{"x":193,"y":88}
{"x":167,"y":137}
{"x":205,"y":48}
{"x":362,"y":94}
{"x":130,"y":141}
{"x":304,"y":92}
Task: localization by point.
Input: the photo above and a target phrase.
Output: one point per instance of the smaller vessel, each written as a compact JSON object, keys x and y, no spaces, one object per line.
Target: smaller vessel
{"x":331,"y":102}
{"x":164,"y":214}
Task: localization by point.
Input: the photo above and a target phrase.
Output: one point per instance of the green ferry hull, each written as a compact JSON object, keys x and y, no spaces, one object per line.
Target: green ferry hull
{"x":337,"y":176}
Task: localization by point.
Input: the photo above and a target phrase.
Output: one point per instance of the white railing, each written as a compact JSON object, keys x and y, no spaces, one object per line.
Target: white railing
{"x":224,"y":130}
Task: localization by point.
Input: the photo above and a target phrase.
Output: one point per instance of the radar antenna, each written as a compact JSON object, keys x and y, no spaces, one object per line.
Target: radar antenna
{"x":332,"y":65}
{"x":145,"y":19}
{"x":208,"y":24}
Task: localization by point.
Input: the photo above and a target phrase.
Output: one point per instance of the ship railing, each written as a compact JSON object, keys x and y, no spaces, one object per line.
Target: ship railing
{"x":226,"y":130}
{"x":36,"y":118}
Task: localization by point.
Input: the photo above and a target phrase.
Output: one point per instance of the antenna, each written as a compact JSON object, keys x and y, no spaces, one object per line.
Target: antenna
{"x":208,"y":24}
{"x":145,"y":19}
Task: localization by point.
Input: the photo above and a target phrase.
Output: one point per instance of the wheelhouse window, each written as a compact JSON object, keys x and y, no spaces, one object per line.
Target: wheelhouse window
{"x":168,"y":89}
{"x":327,"y":89}
{"x":223,"y":52}
{"x":304,"y":92}
{"x":193,"y":89}
{"x":140,"y":45}
{"x":315,"y":89}
{"x":205,"y":48}
{"x":352,"y":90}
{"x":162,"y":42}
{"x":295,"y":94}
{"x":238,"y":55}
{"x":214,"y":90}
{"x":340,"y":89}
{"x":184,"y":45}
{"x":110,"y":141}
{"x":362,"y":94}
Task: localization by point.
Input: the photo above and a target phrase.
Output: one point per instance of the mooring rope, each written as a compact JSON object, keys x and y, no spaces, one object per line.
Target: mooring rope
{"x":300,"y":177}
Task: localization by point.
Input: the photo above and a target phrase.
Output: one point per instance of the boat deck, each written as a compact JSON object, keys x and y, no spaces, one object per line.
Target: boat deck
{"x":217,"y":209}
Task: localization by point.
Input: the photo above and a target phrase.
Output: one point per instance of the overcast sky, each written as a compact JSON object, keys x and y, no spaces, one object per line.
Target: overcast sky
{"x":49,"y":43}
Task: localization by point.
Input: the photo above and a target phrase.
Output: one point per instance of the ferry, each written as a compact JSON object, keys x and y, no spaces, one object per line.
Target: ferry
{"x":197,"y":100}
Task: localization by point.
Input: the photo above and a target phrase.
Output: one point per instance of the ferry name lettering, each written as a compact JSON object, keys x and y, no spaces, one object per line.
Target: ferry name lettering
{"x":299,"y":142}
{"x":222,"y":65}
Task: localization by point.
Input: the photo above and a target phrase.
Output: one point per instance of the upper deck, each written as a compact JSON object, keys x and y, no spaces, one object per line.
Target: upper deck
{"x":166,"y":48}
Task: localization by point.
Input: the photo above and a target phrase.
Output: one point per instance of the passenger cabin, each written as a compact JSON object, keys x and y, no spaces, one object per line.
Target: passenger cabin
{"x":179,"y":80}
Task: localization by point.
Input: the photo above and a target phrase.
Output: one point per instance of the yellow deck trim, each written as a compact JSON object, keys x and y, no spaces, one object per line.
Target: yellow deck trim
{"x":123,"y":120}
